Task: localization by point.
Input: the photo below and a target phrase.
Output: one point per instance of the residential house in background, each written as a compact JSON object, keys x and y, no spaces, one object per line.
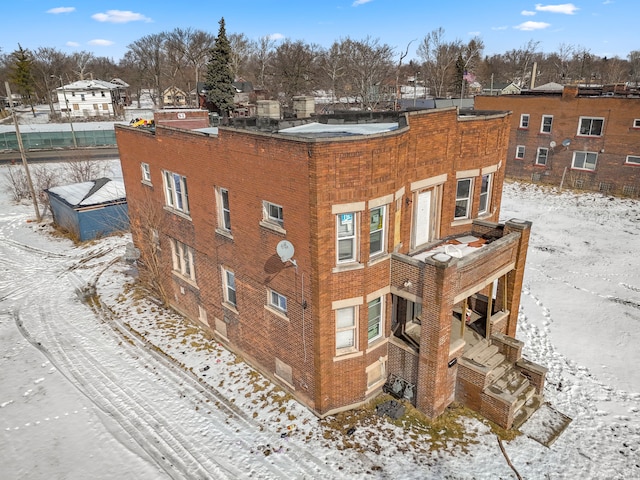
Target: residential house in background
{"x":345,"y":255}
{"x":580,"y":137}
{"x":174,"y":97}
{"x":91,"y":98}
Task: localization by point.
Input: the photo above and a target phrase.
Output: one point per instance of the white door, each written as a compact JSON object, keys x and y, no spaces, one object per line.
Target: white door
{"x":422,"y":219}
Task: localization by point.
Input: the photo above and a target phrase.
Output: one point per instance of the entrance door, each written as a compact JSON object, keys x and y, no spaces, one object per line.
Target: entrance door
{"x":425,"y":217}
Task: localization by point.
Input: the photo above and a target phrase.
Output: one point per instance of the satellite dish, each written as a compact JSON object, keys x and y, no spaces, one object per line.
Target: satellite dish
{"x":566,"y":142}
{"x":552,"y":144}
{"x":285,"y":250}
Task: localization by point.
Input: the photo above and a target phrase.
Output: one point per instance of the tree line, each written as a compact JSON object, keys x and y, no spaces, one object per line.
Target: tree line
{"x":365,"y":70}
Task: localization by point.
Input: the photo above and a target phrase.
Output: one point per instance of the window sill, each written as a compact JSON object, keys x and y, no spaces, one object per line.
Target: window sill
{"x":377,"y":343}
{"x":276,"y":312}
{"x":188,"y":280}
{"x":146,"y":182}
{"x":230,"y":307}
{"x":347,"y":267}
{"x":224,"y":233}
{"x":584,"y":169}
{"x":273,"y":227}
{"x":179,"y":213}
{"x":462,"y":221}
{"x":347,"y":356}
{"x":379,"y":257}
{"x":629,"y":164}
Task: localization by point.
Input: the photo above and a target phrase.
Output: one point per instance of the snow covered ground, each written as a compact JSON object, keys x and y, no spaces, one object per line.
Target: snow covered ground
{"x":114,"y":387}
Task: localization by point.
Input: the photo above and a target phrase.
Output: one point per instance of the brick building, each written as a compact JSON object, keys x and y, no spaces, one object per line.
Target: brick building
{"x":580,"y":137}
{"x":342,"y":258}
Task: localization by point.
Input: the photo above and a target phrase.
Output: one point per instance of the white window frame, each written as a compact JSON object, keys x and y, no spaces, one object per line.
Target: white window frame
{"x":175,"y":191}
{"x":485,"y":193}
{"x":380,"y":228}
{"x":377,"y":321}
{"x":520,"y":151}
{"x":146,"y":172}
{"x":590,"y":133}
{"x":586,"y":156}
{"x":540,"y":156}
{"x":349,"y":313}
{"x":544,"y":127}
{"x":524,"y":120}
{"x":182,"y":260}
{"x":468,"y":199}
{"x":229,"y":287}
{"x":224,"y":211}
{"x":268,"y":210}
{"x":636,"y":123}
{"x":636,"y":160}
{"x":343,"y":219}
{"x":278,"y":301}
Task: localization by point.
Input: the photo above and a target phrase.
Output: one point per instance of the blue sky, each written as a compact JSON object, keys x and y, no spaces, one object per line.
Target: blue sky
{"x":105,"y":28}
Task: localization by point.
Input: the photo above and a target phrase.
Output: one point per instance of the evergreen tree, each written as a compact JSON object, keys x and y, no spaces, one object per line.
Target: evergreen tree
{"x":219,"y":79}
{"x":21,"y":75}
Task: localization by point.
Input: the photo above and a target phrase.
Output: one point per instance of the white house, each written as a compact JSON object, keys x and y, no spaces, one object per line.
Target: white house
{"x":90,"y":98}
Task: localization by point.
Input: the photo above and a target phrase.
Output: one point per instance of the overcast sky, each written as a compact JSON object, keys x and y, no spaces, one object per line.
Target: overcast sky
{"x":105,"y":28}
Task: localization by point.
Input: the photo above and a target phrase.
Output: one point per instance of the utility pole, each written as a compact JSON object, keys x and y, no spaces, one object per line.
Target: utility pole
{"x":22,"y":154}
{"x":64,"y":94}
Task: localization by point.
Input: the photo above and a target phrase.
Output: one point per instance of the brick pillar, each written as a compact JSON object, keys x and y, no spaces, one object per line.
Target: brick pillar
{"x":516,"y":276}
{"x":433,"y":388}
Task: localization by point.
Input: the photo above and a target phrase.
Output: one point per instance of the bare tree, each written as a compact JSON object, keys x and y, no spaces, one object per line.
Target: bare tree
{"x":241,"y":50}
{"x":294,"y":69}
{"x":84,"y":170}
{"x":370,"y":66}
{"x":262,"y":58}
{"x":634,"y":66}
{"x":333,"y":64}
{"x":187,"y":53}
{"x":518,"y":63}
{"x":48,"y":63}
{"x":439,"y":61}
{"x":81,"y":61}
{"x":149,"y":53}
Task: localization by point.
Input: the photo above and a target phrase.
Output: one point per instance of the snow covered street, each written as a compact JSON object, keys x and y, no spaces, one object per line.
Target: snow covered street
{"x":115,"y":387}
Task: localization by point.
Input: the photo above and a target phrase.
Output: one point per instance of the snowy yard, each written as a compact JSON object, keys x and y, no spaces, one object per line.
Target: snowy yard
{"x":117,"y":388}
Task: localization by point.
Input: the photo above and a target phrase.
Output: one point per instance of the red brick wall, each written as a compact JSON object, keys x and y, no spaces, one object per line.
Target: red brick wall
{"x":619,"y":140}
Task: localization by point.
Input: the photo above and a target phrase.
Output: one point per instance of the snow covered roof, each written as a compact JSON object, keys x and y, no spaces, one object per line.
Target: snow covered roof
{"x":334,"y":130}
{"x":95,"y":192}
{"x":90,"y":85}
{"x":549,"y":87}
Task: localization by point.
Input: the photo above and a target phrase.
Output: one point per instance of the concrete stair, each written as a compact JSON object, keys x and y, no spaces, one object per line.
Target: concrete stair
{"x":503,"y":380}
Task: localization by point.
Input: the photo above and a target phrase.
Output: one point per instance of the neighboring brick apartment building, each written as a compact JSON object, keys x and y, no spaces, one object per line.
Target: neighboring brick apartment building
{"x":580,"y":137}
{"x":365,"y":301}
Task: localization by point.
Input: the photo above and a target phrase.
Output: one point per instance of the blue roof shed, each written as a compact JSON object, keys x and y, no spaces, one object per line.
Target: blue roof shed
{"x":90,"y":209}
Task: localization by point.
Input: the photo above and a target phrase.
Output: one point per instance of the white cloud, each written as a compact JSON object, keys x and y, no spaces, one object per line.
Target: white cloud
{"x":529,"y":26}
{"x":474,"y":34}
{"x":276,"y":36}
{"x":527,"y":13}
{"x":499,"y":28}
{"x":57,"y":10}
{"x":120,"y":16}
{"x":72,"y":44}
{"x":100,"y":42}
{"x":360,"y":2}
{"x":566,"y":8}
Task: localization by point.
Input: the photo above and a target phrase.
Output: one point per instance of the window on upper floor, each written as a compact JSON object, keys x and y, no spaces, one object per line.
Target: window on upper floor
{"x":146,"y":172}
{"x":633,"y":160}
{"x":520,"y":149}
{"x":229,"y":287}
{"x":590,"y":126}
{"x":545,"y":125}
{"x":524,"y":120}
{"x":377,"y":227}
{"x":485,"y":194}
{"x":272,"y":214}
{"x":182,"y":257}
{"x":463,"y":198}
{"x":375,"y":327}
{"x":278,"y":301}
{"x":175,"y":191}
{"x":347,"y":233}
{"x":224,"y":213}
{"x":584,"y":160}
{"x":542,"y":155}
{"x":346,"y":330}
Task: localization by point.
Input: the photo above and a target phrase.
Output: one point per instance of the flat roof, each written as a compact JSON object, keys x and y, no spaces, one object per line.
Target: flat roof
{"x":316,"y":129}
